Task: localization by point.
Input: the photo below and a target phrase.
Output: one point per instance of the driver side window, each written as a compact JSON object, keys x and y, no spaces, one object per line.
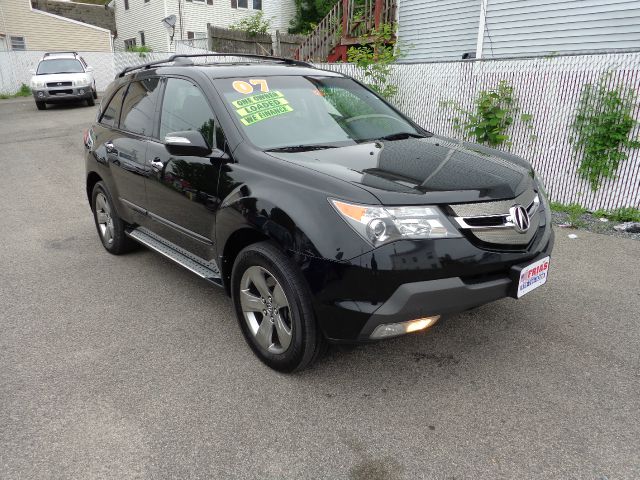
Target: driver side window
{"x":185,"y":108}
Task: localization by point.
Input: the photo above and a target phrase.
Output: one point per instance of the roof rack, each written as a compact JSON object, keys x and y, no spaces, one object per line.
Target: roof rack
{"x":288,"y":61}
{"x":57,"y":53}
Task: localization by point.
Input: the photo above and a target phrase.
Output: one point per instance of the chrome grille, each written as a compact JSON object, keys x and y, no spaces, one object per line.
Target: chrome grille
{"x":59,"y":84}
{"x":491,"y":222}
{"x":499,"y":207}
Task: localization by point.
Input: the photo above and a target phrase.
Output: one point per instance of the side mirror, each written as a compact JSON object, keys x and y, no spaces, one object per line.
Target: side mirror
{"x":187,"y":143}
{"x":88,"y":69}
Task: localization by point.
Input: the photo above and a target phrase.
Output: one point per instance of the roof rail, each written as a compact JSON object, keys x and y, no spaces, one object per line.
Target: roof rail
{"x":288,"y":61}
{"x":56,"y":53}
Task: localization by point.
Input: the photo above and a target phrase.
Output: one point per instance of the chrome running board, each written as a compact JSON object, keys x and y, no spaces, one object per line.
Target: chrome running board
{"x":207,"y":270}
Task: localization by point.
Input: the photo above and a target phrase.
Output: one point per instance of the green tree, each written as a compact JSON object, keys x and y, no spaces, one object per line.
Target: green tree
{"x":308,"y":14}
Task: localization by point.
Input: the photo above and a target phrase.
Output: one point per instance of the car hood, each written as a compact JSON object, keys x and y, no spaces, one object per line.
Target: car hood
{"x":58,"y":77}
{"x":422,"y":170}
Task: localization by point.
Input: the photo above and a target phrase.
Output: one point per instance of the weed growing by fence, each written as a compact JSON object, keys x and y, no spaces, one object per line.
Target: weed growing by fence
{"x":24,"y":91}
{"x":495,"y":110}
{"x":375,"y":56}
{"x":254,"y":25}
{"x":575,"y":211}
{"x":601,"y":129}
{"x":142,"y":50}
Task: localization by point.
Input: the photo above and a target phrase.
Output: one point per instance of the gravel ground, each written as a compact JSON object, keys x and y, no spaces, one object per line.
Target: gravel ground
{"x":590,"y":223}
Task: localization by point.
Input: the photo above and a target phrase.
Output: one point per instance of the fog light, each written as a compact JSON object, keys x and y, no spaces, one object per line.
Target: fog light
{"x":82,"y":91}
{"x":41,"y":94}
{"x":394,"y":329}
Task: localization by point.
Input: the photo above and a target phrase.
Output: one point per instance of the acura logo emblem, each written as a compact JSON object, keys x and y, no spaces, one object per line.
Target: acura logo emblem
{"x":519,"y":218}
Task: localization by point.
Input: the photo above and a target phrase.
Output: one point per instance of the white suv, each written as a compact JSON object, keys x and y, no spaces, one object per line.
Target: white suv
{"x":63,"y":77}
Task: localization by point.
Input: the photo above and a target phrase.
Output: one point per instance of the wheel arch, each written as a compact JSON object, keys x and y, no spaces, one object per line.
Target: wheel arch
{"x":237,"y":241}
{"x":92,"y":179}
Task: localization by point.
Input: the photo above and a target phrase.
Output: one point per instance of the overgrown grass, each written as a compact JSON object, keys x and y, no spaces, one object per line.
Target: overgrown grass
{"x":24,"y":91}
{"x":624,"y":214}
{"x":575,"y":211}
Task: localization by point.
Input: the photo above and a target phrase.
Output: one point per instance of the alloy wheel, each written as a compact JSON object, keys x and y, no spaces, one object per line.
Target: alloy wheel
{"x":266,"y":309}
{"x":104,"y":219}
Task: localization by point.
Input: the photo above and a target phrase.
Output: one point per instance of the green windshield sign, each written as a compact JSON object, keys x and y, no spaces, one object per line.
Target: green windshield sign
{"x":261,"y":107}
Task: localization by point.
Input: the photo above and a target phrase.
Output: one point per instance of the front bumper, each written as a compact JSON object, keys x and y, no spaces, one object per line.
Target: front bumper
{"x":445,"y":296}
{"x":407,"y":280}
{"x":62,"y":94}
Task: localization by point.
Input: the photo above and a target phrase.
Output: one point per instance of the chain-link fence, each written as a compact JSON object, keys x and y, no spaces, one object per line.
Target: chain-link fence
{"x":546,"y":88}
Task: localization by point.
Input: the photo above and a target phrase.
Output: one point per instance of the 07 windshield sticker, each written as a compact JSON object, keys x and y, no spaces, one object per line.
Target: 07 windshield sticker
{"x":260,"y":107}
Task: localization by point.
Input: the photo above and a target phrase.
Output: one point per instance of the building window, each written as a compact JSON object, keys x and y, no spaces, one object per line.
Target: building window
{"x":257,"y":4}
{"x":126,"y":4}
{"x":18,"y":43}
{"x":129,"y":43}
{"x":142,"y":38}
{"x":146,"y":1}
{"x":243,"y":4}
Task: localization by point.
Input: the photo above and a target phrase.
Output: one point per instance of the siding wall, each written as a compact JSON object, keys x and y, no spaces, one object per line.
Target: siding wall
{"x":438,"y":29}
{"x":44,"y":31}
{"x":195,"y":17}
{"x":525,"y":27}
{"x":145,"y":16}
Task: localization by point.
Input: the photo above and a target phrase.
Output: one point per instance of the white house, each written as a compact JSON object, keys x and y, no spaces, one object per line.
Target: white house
{"x":448,"y":29}
{"x":23,"y":27}
{"x":139,"y":22}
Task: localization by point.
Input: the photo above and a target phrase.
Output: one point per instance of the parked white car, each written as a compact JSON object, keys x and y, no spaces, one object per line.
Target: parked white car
{"x":63,"y":77}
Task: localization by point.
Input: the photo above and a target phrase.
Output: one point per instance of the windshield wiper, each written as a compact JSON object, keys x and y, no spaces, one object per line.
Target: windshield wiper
{"x":398,"y":136}
{"x":300,"y":148}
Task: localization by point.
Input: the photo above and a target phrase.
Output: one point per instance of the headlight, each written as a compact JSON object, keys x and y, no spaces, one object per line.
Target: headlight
{"x":81,"y":82}
{"x":380,"y":225}
{"x":542,"y":190}
{"x":37,"y":84}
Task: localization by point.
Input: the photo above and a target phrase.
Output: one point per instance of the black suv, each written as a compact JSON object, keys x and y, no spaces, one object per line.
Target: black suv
{"x":324,"y":213}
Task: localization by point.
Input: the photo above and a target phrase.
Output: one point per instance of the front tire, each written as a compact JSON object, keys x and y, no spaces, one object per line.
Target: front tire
{"x":273,"y":307}
{"x":41,"y":105}
{"x":90,"y":101}
{"x":95,"y":91}
{"x":110,"y":227}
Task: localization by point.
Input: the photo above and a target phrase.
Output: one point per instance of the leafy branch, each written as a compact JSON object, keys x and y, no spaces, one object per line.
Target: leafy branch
{"x":602,"y":127}
{"x":494,"y":112}
{"x":377,"y":52}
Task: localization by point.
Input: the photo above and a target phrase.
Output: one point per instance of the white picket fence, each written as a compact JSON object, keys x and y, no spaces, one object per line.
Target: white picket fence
{"x":547,"y":88}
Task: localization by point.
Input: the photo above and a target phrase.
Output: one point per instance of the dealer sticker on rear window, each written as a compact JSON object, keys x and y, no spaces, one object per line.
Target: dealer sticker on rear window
{"x":533,"y":276}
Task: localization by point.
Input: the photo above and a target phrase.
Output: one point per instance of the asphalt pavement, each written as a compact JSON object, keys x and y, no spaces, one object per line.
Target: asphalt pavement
{"x":131,"y":367}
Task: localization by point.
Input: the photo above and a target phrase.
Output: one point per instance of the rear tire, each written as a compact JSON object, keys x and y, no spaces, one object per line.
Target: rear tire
{"x":41,"y":105}
{"x":273,"y":306}
{"x":110,"y":227}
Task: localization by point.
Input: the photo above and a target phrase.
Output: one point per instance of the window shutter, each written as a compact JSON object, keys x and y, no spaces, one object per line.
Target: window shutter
{"x":234,"y":3}
{"x":209,"y":2}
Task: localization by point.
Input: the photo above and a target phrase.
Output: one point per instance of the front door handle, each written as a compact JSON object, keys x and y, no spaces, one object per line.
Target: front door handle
{"x":157,"y":164}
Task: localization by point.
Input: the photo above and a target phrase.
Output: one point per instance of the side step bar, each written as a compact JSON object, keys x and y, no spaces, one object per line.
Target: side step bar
{"x":207,"y":270}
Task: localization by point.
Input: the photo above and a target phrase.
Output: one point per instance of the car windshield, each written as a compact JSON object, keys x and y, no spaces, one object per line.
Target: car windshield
{"x":293,"y":112}
{"x":59,"y":65}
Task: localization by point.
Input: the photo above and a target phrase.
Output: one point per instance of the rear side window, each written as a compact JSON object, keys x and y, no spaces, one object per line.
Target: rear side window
{"x":139,"y":107}
{"x":112,"y":112}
